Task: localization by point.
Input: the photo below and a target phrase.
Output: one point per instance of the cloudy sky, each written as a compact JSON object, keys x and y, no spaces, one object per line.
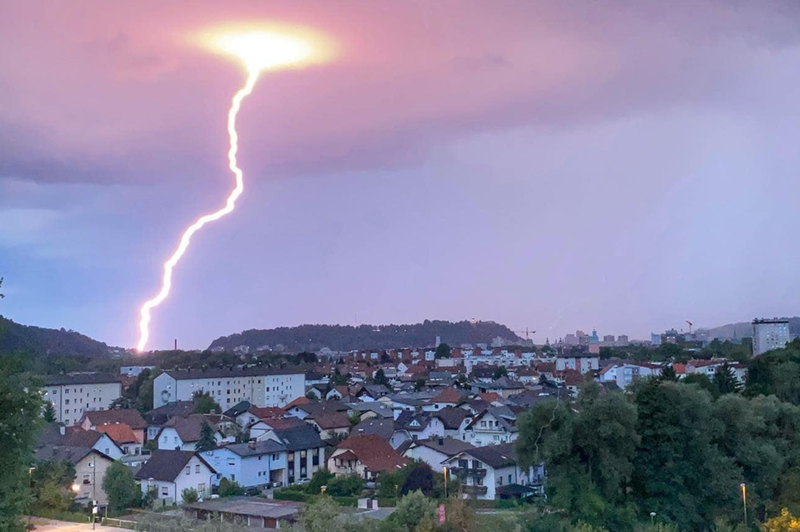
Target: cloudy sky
{"x":552,"y":165}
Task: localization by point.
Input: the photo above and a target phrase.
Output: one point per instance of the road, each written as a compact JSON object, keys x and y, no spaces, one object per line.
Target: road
{"x":51,"y":525}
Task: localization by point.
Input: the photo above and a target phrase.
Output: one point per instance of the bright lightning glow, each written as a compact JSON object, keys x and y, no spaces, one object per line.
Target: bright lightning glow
{"x":259,"y":51}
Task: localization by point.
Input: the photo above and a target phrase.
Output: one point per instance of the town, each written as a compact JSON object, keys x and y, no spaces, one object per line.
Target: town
{"x":253,"y":441}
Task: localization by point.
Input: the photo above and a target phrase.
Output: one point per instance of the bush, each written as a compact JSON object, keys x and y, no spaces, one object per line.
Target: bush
{"x":319,"y":479}
{"x":346,"y":501}
{"x":229,"y":488}
{"x":291,"y":495}
{"x":345,"y":486}
{"x":413,"y":509}
{"x":189,"y":495}
{"x":420,"y":478}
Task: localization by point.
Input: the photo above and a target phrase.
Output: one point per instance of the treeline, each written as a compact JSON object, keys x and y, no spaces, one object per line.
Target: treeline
{"x":347,"y":337}
{"x":681,"y":352}
{"x":40,"y":341}
{"x":680,"y":451}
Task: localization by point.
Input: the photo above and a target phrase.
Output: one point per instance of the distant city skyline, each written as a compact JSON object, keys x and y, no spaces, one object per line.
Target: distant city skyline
{"x":549,"y":165}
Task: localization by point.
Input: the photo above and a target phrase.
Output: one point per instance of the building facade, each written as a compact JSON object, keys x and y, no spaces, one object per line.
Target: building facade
{"x":770,"y":334}
{"x":228,"y":387}
{"x":74,"y":394}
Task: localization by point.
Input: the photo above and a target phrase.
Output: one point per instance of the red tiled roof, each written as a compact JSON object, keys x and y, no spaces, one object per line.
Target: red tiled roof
{"x":448,"y":395}
{"x":680,"y":369}
{"x":266,"y":412}
{"x":298,"y":401}
{"x":374,"y":452}
{"x":331,"y":420}
{"x":130,"y":417}
{"x":119,"y":432}
{"x":490,"y":396}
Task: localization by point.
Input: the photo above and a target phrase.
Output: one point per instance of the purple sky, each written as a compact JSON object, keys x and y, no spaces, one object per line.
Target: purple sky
{"x":555,"y":165}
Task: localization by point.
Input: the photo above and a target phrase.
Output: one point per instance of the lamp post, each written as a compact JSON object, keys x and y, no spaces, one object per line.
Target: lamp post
{"x":444,"y":471}
{"x":743,"y":486}
{"x":652,"y":518}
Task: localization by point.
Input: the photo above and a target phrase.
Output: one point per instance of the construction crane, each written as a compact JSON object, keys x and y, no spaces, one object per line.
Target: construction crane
{"x":527,"y":332}
{"x":690,"y":326}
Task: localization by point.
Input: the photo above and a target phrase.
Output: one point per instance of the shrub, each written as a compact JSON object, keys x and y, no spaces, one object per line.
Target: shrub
{"x":319,"y":479}
{"x":189,"y":495}
{"x":229,"y":488}
{"x":345,"y":486}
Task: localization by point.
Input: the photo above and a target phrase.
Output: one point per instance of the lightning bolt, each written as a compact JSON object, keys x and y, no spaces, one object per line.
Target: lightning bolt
{"x":230,"y":204}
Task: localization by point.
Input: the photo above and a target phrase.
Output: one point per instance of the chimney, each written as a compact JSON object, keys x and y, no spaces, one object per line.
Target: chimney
{"x":441,"y":441}
{"x":252,"y":444}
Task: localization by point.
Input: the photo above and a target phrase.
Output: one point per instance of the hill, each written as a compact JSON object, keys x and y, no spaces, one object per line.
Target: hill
{"x":745,"y":329}
{"x":41,"y":341}
{"x":347,"y":337}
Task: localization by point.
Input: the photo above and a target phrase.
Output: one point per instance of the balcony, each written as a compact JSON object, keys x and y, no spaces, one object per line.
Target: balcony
{"x":464,"y":472}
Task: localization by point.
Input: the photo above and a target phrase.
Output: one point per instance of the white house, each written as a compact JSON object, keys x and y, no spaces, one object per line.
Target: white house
{"x":169,"y":473}
{"x":492,"y":426}
{"x":258,"y":385}
{"x":624,"y":373}
{"x":252,"y":464}
{"x":583,"y":362}
{"x":305,"y":451}
{"x":183,"y":433}
{"x":490,"y":472}
{"x":436,"y":451}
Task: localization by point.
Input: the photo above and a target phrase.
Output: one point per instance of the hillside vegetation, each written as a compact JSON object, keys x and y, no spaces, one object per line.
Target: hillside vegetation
{"x":347,"y":337}
{"x":40,"y":341}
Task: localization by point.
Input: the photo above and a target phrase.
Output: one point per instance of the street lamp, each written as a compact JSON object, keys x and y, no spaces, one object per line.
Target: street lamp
{"x":444,"y":472}
{"x":744,"y":501}
{"x":652,"y":518}
{"x":76,"y":488}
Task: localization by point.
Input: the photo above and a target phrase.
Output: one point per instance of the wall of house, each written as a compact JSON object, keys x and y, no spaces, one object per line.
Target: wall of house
{"x":107,"y":446}
{"x":169,"y":439}
{"x":195,"y":475}
{"x":89,"y":474}
{"x":425,"y":454}
{"x":248,"y":471}
{"x":72,"y":400}
{"x":259,"y":390}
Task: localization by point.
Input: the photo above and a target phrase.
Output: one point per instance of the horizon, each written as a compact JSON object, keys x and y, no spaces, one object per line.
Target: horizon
{"x":549,"y":166}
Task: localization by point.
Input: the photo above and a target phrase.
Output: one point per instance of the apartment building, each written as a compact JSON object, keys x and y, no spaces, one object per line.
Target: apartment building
{"x":74,"y":394}
{"x":229,"y":386}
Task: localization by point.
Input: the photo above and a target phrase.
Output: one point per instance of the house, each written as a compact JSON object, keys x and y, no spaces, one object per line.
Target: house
{"x":492,"y":472}
{"x":579,"y":361}
{"x":371,"y":392}
{"x":168,"y":473}
{"x":76,"y":393}
{"x":90,"y":469}
{"x":420,"y":425}
{"x":308,"y":408}
{"x":502,"y":387}
{"x":330,"y":425}
{"x":385,"y":428}
{"x":183,"y":433}
{"x":123,"y":436}
{"x":450,"y":396}
{"x":436,"y":451}
{"x":157,"y":417}
{"x":366,"y":455}
{"x":305,"y":451}
{"x":374,"y":409}
{"x":252,"y":464}
{"x":624,"y":373}
{"x":130,"y":417}
{"x":494,"y":425}
{"x":453,"y":420}
{"x":261,"y":427}
{"x":56,"y":434}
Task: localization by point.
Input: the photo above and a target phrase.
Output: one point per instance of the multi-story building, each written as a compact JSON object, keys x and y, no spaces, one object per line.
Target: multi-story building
{"x":76,"y":393}
{"x":579,"y":361}
{"x":770,"y":334}
{"x":257,"y":385}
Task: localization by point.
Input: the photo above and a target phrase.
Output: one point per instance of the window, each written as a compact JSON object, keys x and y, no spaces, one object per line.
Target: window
{"x":175,"y":439}
{"x":66,"y":411}
{"x":164,"y":490}
{"x":66,"y":401}
{"x":509,"y":478}
{"x":66,"y":390}
{"x":233,"y":477}
{"x":231,"y":461}
{"x":197,"y":468}
{"x":188,"y":470}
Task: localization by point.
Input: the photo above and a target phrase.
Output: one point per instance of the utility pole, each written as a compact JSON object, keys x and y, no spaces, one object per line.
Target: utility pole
{"x":744,"y":501}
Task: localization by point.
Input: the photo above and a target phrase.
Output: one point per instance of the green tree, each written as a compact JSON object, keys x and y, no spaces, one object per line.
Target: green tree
{"x":345,"y":485}
{"x":20,"y":407}
{"x":51,"y":485}
{"x":337,"y":379}
{"x":228,"y":488}
{"x":419,"y":478}
{"x":207,"y":440}
{"x":702,"y":381}
{"x":725,"y":380}
{"x":320,"y":478}
{"x":120,"y":487}
{"x":412,"y":509}
{"x":49,"y":413}
{"x":419,"y":384}
{"x":679,"y":473}
{"x":380,"y":377}
{"x":668,"y":373}
{"x":442,"y":351}
{"x":205,"y":404}
{"x":500,"y":372}
{"x":776,"y":373}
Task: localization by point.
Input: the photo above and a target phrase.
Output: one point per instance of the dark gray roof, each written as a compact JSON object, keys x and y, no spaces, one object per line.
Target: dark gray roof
{"x":61,"y":453}
{"x":166,"y":465}
{"x":129,"y":416}
{"x":239,"y":408}
{"x":495,"y":455}
{"x":373,"y":406}
{"x":81,"y":378}
{"x":162,"y":414}
{"x":218,"y":373}
{"x":260,"y":448}
{"x":299,"y":438}
{"x":448,"y":446}
{"x":382,"y":427}
{"x":451,"y":417}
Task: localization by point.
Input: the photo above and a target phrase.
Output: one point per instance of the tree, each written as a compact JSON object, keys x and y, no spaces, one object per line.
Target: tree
{"x":205,"y":404}
{"x":725,"y":380}
{"x":419,"y":384}
{"x":785,"y":522}
{"x":120,"y":486}
{"x":420,"y":478}
{"x":189,"y":495}
{"x":380,"y":377}
{"x":338,"y":379}
{"x":207,"y":440}
{"x":500,"y":372}
{"x":702,"y":381}
{"x":412,"y":509}
{"x":345,"y":486}
{"x":320,"y":478}
{"x":20,"y":407}
{"x":49,"y":413}
{"x":668,"y":373}
{"x":51,"y":485}
{"x":228,"y":488}
{"x":442,"y":351}
{"x":776,"y":373}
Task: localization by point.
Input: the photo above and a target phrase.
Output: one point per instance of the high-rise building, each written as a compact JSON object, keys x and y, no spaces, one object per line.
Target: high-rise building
{"x":770,"y":334}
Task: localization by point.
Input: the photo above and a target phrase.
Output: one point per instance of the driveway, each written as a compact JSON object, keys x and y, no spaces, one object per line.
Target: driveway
{"x":51,"y":525}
